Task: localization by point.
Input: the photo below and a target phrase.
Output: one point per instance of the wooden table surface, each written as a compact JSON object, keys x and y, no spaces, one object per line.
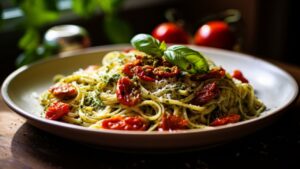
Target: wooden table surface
{"x":276,"y":146}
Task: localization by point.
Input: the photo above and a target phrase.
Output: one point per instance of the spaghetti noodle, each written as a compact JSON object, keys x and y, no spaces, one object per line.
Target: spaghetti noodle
{"x":134,"y":90}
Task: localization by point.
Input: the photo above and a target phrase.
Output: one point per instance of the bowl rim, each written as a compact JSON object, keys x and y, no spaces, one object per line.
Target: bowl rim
{"x":7,"y":99}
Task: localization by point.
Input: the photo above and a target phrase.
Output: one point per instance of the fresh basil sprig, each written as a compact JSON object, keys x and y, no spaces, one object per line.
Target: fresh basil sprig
{"x":146,"y":43}
{"x":186,"y":59}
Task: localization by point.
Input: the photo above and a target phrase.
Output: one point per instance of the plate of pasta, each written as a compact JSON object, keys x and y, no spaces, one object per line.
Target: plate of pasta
{"x":149,"y":95}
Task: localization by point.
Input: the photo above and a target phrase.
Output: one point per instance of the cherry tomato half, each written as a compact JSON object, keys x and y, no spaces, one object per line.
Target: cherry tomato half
{"x":215,"y":34}
{"x":127,"y":92}
{"x":57,"y":110}
{"x":125,"y":123}
{"x":170,"y":33}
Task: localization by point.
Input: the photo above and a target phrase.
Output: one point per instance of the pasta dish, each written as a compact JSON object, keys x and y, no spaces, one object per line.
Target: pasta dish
{"x":151,"y":87}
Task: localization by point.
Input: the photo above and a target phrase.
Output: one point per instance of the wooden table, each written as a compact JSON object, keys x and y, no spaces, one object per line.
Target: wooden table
{"x":276,"y":146}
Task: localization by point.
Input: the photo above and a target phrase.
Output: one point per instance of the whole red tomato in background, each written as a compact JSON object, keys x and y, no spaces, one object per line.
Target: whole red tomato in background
{"x":215,"y":34}
{"x":170,"y":33}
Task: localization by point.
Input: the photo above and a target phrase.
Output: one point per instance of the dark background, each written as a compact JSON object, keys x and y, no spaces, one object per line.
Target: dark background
{"x":270,"y":27}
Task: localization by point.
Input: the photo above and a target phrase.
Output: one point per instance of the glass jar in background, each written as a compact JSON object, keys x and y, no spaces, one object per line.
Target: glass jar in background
{"x":67,"y":38}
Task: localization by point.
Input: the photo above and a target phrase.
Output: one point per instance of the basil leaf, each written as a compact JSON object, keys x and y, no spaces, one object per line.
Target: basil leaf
{"x":146,"y":43}
{"x":186,"y":59}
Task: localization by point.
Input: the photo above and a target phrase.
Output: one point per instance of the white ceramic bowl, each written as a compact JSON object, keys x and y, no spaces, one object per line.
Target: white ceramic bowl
{"x":276,"y":88}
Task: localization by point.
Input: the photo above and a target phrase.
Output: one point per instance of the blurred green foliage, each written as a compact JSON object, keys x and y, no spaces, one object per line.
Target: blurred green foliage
{"x":39,"y":13}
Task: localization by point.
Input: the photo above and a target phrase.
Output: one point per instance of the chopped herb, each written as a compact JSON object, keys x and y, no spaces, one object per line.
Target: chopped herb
{"x":92,"y":99}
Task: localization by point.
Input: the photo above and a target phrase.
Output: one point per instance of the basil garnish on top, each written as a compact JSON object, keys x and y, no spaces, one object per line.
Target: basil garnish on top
{"x":185,"y":58}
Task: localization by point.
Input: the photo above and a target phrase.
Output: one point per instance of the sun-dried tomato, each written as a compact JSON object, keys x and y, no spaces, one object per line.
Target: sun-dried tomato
{"x":64,"y":91}
{"x":56,"y":110}
{"x":239,"y":75}
{"x":172,"y":122}
{"x":216,"y":73}
{"x":125,"y":123}
{"x":127,"y":92}
{"x":207,"y":93}
{"x":163,"y":71}
{"x":232,"y":118}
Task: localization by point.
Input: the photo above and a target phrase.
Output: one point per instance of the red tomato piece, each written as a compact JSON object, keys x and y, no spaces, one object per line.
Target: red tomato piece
{"x":217,"y":73}
{"x":163,"y":71}
{"x":215,"y":34}
{"x":116,"y":123}
{"x":64,"y":91}
{"x":239,"y":75}
{"x":170,"y":33}
{"x":127,"y":92}
{"x":207,"y":93}
{"x":232,"y":118}
{"x":172,"y":122}
{"x":125,"y":123}
{"x":129,"y":67}
{"x":57,"y":110}
{"x":145,"y":73}
{"x":135,"y":123}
